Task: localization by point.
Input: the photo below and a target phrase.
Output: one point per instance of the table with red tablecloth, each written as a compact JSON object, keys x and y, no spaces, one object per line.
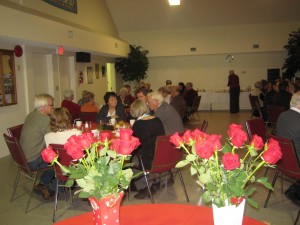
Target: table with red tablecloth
{"x":158,"y":214}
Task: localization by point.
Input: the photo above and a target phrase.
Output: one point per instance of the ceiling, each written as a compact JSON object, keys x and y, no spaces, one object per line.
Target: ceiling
{"x":143,"y":15}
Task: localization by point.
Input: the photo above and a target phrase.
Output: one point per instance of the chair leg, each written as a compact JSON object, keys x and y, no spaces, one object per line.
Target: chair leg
{"x":33,"y":184}
{"x":267,"y":169}
{"x":55,"y":202}
{"x":270,"y":191}
{"x":15,"y":185}
{"x":183,"y":186}
{"x":148,"y":186}
{"x":297,"y":218}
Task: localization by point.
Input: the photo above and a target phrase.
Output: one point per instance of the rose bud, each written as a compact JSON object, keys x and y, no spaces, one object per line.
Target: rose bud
{"x":49,"y":155}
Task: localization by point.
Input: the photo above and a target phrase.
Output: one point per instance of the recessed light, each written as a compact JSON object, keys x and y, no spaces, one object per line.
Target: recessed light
{"x":174,"y":2}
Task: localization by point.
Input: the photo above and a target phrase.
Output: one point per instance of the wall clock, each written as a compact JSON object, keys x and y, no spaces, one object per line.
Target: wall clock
{"x":229,"y":58}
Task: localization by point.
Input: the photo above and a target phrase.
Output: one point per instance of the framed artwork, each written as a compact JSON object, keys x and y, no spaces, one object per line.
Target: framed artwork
{"x":89,"y":75}
{"x":80,"y":77}
{"x":103,"y":70}
{"x":97,"y":72}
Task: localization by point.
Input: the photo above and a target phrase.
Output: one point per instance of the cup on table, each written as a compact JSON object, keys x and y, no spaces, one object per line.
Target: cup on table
{"x":78,"y":124}
{"x":131,"y":122}
{"x":96,"y":133}
{"x":112,"y":121}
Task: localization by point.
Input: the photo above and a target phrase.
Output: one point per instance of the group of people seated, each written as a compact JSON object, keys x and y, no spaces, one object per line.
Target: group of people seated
{"x":154,"y":116}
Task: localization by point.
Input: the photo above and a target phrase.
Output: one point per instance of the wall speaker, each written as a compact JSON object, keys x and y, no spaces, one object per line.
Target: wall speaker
{"x":83,"y":57}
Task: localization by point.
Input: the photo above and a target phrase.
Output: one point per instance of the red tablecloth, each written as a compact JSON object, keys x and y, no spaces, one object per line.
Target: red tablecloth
{"x":158,"y":214}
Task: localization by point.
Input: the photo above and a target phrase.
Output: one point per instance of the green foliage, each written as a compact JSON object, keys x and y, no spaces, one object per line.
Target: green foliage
{"x":292,"y":62}
{"x":135,"y":66}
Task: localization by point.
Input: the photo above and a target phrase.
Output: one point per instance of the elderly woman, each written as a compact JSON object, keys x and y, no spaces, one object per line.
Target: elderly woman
{"x":111,"y":109}
{"x":59,"y":125}
{"x":146,"y":128}
{"x":90,"y":105}
{"x":123,"y":99}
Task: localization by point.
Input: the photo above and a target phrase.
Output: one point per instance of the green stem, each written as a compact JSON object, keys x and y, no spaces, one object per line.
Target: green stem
{"x":253,"y":172}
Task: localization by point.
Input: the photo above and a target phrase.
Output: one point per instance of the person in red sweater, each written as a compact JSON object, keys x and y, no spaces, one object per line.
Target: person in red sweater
{"x":71,"y":106}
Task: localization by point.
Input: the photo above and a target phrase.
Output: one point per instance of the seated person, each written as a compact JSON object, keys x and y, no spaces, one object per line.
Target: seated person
{"x":59,"y":125}
{"x":35,"y":127}
{"x":177,"y":101}
{"x":111,"y":109}
{"x":123,"y":99}
{"x":283,"y":96}
{"x":141,"y":94}
{"x":71,"y":106}
{"x":146,"y":128}
{"x":83,"y":99}
{"x":90,"y":105}
{"x":165,"y":92}
{"x":190,"y":94}
{"x":129,"y":96}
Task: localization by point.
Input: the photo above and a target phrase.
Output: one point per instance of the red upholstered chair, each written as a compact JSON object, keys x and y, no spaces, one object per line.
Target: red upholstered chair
{"x":166,"y":156}
{"x":194,"y":108}
{"x":15,"y":131}
{"x":274,"y":112}
{"x":87,"y":116}
{"x":19,"y":158}
{"x":255,"y":106}
{"x":288,"y":167}
{"x":65,"y":160}
{"x":256,"y":126}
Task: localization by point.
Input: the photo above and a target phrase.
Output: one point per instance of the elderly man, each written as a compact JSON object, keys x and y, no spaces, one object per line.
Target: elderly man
{"x":288,"y":126}
{"x":190,"y":94}
{"x":35,"y":127}
{"x":71,"y":106}
{"x":166,"y":113}
{"x":234,"y":92}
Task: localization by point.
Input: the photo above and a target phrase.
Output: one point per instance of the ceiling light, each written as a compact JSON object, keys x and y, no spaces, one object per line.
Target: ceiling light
{"x":174,"y":2}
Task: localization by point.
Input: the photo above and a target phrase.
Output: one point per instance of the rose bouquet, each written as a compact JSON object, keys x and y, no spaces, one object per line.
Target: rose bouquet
{"x":225,"y":178}
{"x":99,"y":167}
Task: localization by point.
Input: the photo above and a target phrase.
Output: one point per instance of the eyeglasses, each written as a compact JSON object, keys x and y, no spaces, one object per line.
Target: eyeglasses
{"x":51,"y":105}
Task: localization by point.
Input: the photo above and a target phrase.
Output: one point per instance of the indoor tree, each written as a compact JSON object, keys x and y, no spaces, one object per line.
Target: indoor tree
{"x":292,"y":62}
{"x":135,"y":66}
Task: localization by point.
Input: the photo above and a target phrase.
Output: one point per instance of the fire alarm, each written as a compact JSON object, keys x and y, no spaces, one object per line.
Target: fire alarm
{"x":18,"y":51}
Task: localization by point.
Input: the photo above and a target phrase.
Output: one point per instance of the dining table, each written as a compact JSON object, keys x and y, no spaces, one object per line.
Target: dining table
{"x":158,"y":214}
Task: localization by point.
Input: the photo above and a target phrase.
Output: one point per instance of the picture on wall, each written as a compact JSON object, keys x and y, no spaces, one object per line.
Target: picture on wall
{"x":80,"y":77}
{"x":103,"y":70}
{"x":90,"y":75}
{"x":97,"y":72}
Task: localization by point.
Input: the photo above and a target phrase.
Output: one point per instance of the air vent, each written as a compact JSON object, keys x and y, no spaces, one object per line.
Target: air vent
{"x":255,"y":46}
{"x":193,"y":49}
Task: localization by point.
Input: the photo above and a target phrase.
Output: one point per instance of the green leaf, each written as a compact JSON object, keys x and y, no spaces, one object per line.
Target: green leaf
{"x":206,"y":197}
{"x":204,"y":178}
{"x":226,"y":148}
{"x":69,"y":183}
{"x":191,"y":157}
{"x":111,"y":154}
{"x":182,"y":163}
{"x":250,"y":191}
{"x":264,"y":181}
{"x":193,"y":170}
{"x":252,"y":202}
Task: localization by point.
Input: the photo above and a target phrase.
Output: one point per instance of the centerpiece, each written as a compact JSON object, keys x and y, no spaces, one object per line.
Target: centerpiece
{"x":100,"y":168}
{"x":224,"y":178}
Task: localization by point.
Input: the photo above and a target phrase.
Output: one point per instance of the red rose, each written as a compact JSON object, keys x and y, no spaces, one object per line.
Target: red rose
{"x":273,"y":152}
{"x":75,"y":151}
{"x":257,"y":142}
{"x":237,"y":200}
{"x":115,"y":145}
{"x":135,"y":142}
{"x":216,"y":141}
{"x":204,"y":148}
{"x":198,"y":134}
{"x":231,"y":161}
{"x":176,"y":140}
{"x":105,"y":136}
{"x":86,"y":140}
{"x":48,"y":155}
{"x":126,"y":147}
{"x":125,"y":134}
{"x":237,"y":135}
{"x":188,"y":137}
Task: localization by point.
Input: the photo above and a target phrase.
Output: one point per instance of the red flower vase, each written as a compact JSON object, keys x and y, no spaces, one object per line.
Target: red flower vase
{"x":106,"y":210}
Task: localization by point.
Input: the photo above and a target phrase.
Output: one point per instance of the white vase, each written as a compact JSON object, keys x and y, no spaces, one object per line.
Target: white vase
{"x":229,"y":215}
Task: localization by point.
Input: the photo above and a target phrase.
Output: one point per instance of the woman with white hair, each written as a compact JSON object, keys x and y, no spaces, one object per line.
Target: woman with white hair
{"x":123,"y":99}
{"x":71,"y":106}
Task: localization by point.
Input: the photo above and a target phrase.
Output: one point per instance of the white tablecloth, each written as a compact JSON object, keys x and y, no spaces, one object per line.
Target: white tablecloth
{"x":220,"y":100}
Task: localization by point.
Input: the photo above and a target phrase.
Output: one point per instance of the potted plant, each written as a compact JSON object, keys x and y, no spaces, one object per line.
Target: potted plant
{"x":135,"y":66}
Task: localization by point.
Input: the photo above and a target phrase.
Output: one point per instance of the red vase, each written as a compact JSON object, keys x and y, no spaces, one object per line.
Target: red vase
{"x":106,"y":210}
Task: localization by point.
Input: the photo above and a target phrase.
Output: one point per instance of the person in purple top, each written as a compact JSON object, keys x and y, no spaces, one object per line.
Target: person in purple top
{"x":234,"y":91}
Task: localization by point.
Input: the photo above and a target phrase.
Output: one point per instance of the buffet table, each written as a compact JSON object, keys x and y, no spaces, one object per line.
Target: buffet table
{"x":158,"y":214}
{"x":219,"y":100}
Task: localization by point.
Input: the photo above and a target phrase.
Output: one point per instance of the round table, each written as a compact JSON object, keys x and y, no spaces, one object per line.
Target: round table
{"x":158,"y":214}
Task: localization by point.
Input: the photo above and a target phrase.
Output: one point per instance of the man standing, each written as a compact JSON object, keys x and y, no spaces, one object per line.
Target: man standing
{"x":71,"y":106}
{"x":166,"y":113}
{"x":234,"y":91}
{"x":288,"y":126}
{"x":35,"y":127}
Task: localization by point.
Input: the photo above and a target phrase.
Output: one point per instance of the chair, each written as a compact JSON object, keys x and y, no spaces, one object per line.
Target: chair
{"x":274,"y":112}
{"x":255,"y":106}
{"x":256,"y":126}
{"x":65,"y":160}
{"x":18,"y":156}
{"x":166,"y":156}
{"x":15,"y":131}
{"x":288,"y":167}
{"x":204,"y":126}
{"x":87,"y":116}
{"x":194,"y":108}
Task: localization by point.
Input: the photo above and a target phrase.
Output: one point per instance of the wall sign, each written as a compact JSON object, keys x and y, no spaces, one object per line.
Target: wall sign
{"x":70,"y":5}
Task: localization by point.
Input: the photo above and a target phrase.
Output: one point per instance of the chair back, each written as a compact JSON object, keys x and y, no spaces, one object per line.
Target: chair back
{"x":87,"y":116}
{"x":196,"y":103}
{"x":255,"y":106}
{"x":288,"y":164}
{"x":166,"y":156}
{"x":15,"y":131}
{"x":204,"y":126}
{"x":256,"y":126}
{"x":63,"y":158}
{"x":16,"y":152}
{"x":274,"y":112}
